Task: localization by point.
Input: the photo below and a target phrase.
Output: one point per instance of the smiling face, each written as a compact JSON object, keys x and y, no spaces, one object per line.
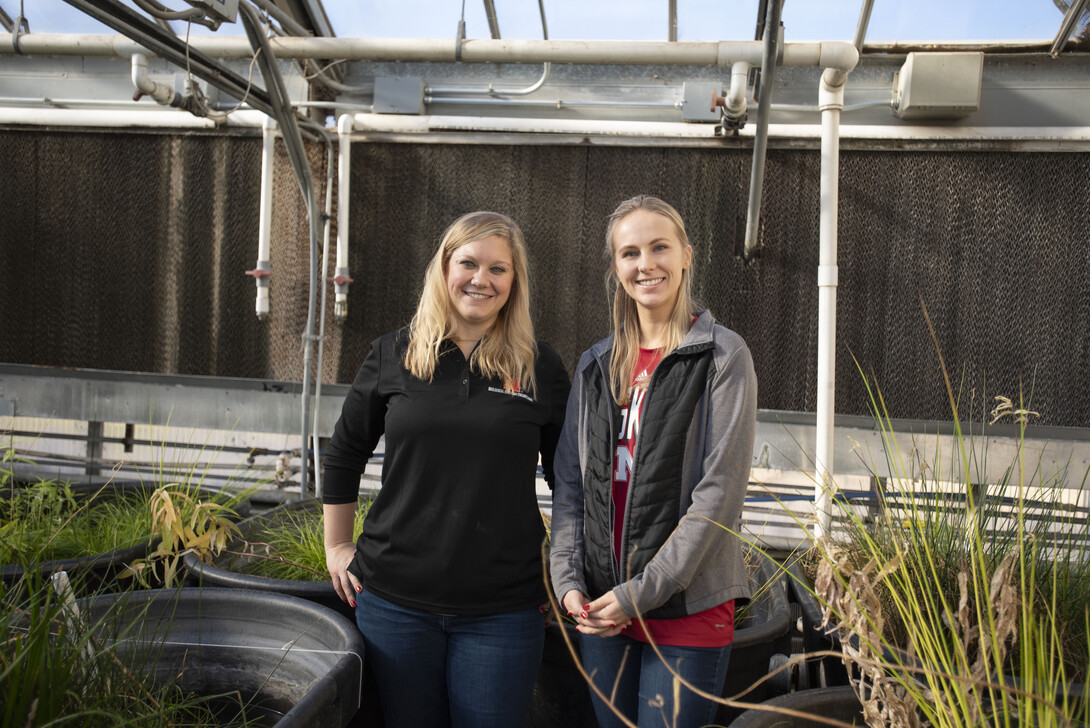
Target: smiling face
{"x":649,"y":260}
{"x":479,"y":278}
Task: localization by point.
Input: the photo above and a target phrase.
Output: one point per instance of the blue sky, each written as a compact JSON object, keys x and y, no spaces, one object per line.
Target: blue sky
{"x":928,"y":20}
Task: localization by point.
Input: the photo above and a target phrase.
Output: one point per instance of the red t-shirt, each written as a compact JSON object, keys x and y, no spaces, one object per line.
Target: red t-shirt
{"x":713,"y":627}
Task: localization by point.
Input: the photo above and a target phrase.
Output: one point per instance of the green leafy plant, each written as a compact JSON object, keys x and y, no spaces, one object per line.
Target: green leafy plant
{"x":185,"y":525}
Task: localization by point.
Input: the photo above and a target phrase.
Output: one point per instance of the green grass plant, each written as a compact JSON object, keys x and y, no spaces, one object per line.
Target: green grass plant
{"x":292,"y":546}
{"x":53,"y":672}
{"x":49,"y":520}
{"x":46,"y":521}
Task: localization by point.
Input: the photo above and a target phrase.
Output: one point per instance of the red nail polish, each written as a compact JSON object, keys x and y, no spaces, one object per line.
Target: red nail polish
{"x":352,"y":604}
{"x":586,"y":606}
{"x":583,"y":615}
{"x":570,"y":614}
{"x":612,"y":624}
{"x":358,"y":590}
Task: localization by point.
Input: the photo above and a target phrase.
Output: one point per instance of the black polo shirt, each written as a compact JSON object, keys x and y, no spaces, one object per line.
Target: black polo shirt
{"x":456,"y":527}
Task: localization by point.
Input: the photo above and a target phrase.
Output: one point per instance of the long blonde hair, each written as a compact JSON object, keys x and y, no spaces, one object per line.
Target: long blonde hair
{"x":626,"y":322}
{"x":508,"y":349}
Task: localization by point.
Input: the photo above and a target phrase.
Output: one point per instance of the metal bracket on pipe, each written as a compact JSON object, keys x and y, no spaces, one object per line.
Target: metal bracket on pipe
{"x":20,"y":26}
{"x":458,"y":39}
{"x":827,"y":276}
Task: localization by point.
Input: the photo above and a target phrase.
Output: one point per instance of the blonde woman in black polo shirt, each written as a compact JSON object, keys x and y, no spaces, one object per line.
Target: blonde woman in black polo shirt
{"x":446,"y":576}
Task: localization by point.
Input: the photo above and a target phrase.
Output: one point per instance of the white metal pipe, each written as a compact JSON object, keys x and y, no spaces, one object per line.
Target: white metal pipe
{"x":341,"y":275}
{"x":1031,"y":139}
{"x":148,"y":117}
{"x":263,"y":270}
{"x":831,"y":100}
{"x":735,"y":105}
{"x":64,"y":103}
{"x":162,"y":93}
{"x":826,"y":54}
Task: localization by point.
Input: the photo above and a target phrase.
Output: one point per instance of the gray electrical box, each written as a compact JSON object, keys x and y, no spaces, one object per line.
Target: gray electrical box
{"x":225,"y":11}
{"x":398,"y":95}
{"x":938,"y":85}
{"x":698,"y":104}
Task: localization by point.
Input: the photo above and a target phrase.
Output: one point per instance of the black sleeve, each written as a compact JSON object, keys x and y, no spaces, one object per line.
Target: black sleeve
{"x":555,"y":387}
{"x":361,"y":424}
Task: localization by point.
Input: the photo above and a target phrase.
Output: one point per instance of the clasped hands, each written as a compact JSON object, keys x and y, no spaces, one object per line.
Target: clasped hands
{"x":603,"y":617}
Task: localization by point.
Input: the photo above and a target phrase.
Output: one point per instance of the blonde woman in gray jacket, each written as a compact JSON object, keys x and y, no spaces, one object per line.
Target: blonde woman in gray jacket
{"x":650,"y":476}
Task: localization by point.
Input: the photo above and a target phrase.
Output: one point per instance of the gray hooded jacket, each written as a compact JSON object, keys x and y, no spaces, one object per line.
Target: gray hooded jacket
{"x":688,"y":484}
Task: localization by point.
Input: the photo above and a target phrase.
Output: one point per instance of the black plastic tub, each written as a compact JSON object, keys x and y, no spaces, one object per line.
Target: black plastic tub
{"x":297,"y":663}
{"x":561,"y":697}
{"x":823,"y":670}
{"x":836,"y":703}
{"x":227,"y":570}
{"x":762,"y":633}
{"x":97,"y":571}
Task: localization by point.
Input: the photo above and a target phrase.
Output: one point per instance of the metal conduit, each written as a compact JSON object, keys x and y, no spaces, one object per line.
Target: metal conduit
{"x":551,"y":103}
{"x":861,"y":26}
{"x":1064,"y":34}
{"x":760,"y":144}
{"x":490,"y":91}
{"x":328,"y":222}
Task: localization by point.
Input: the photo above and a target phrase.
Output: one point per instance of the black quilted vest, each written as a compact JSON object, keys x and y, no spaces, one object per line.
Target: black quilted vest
{"x":654,"y":492}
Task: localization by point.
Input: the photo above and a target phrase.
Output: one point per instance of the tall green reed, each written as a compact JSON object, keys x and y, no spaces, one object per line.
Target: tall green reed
{"x":965,"y":608}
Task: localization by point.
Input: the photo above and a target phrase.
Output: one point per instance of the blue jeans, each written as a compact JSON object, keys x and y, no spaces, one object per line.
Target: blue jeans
{"x":644,"y":693}
{"x":436,"y":671}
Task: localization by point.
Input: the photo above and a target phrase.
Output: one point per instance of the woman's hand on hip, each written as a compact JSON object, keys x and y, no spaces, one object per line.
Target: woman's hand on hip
{"x":337,"y":558}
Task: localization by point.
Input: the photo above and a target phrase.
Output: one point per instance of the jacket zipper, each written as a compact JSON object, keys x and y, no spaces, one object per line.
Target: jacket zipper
{"x":622,"y":558}
{"x":612,"y":457}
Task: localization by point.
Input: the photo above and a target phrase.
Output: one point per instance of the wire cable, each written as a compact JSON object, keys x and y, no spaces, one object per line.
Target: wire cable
{"x":289,"y":131}
{"x":158,"y":10}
